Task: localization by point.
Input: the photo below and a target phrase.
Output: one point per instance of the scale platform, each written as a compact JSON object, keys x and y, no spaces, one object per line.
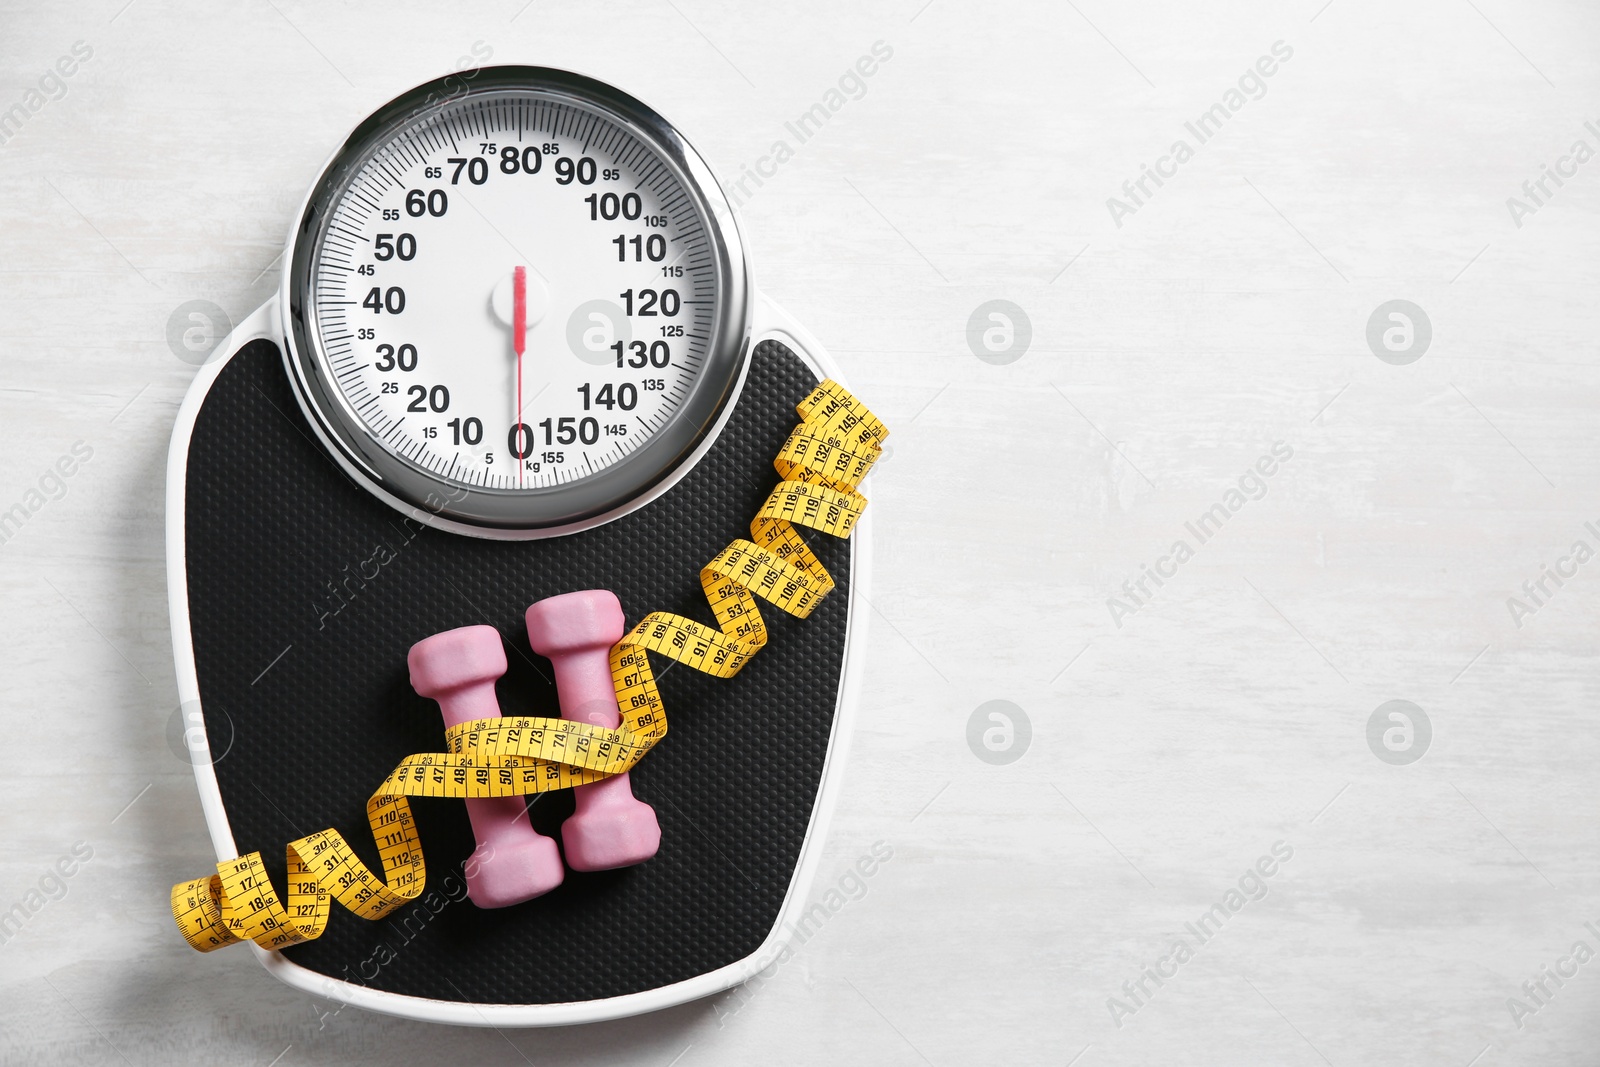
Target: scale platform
{"x":295,"y":595}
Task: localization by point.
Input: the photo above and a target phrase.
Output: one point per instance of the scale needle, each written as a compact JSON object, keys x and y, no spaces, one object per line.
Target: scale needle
{"x":519,"y":342}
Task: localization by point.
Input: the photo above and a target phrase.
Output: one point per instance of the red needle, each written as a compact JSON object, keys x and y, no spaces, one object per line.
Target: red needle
{"x":519,"y":339}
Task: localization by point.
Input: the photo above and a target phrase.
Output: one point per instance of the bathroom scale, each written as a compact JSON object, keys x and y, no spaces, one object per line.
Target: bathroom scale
{"x":517,"y":395}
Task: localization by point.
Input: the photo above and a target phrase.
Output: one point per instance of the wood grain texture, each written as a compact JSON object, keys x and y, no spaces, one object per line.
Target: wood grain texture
{"x":1168,"y":753}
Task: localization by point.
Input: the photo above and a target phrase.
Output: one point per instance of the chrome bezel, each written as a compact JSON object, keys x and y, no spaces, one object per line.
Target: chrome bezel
{"x":535,"y":512}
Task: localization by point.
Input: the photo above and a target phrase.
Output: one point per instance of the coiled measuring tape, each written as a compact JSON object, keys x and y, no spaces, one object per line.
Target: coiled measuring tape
{"x":821,"y":464}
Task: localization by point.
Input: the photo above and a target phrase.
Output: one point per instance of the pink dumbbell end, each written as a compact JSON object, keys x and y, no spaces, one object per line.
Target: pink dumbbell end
{"x":611,"y":827}
{"x":513,"y":861}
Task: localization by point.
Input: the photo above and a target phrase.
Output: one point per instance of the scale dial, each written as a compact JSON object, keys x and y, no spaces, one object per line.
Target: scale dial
{"x":515,"y":309}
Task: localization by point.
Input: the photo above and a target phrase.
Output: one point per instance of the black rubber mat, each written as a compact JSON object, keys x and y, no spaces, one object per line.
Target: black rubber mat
{"x":305,"y":594}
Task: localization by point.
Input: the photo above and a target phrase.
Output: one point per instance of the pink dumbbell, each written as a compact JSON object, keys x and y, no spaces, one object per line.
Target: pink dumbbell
{"x":611,"y":828}
{"x":514,"y":862}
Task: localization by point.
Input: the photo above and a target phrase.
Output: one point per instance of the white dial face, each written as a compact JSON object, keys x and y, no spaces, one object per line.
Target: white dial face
{"x":515,"y":291}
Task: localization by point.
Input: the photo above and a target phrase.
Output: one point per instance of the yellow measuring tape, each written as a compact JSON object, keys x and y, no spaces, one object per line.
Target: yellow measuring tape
{"x":821,"y":464}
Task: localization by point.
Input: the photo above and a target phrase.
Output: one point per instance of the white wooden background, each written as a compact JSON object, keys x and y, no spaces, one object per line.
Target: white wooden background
{"x":1166,"y":755}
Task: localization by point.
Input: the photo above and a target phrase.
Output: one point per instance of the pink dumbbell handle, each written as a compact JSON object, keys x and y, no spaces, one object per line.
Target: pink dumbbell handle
{"x":499,"y":823}
{"x":588,"y":695}
{"x":583,"y":680}
{"x":513,"y":862}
